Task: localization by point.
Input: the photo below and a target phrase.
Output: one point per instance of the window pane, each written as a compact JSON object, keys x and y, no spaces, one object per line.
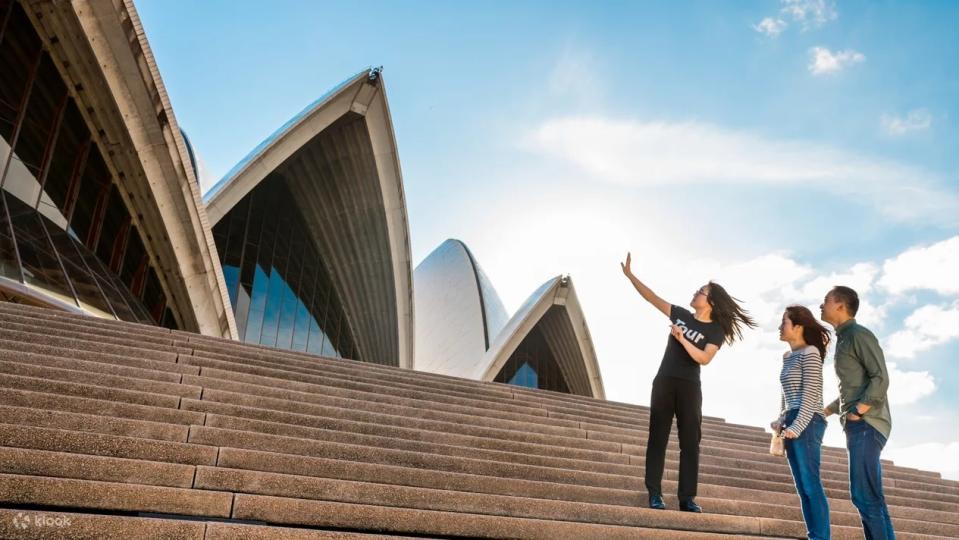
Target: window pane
{"x":113,"y":221}
{"x":40,"y":266}
{"x":84,"y":284}
{"x":95,"y":177}
{"x":254,"y":325}
{"x":8,"y":257}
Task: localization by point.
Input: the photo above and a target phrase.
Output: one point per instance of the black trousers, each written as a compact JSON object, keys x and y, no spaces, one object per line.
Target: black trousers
{"x":684,"y":400}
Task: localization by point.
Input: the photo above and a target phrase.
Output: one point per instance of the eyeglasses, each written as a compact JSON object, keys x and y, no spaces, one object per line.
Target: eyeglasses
{"x":702,"y":291}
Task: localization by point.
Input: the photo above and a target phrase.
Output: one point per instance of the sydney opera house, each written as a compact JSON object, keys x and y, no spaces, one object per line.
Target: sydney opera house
{"x":262,"y":361}
{"x":463,"y":330}
{"x":304,"y":245}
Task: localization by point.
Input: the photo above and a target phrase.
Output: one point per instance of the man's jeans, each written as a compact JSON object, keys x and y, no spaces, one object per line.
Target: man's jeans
{"x":864,"y":444}
{"x":804,"y":455}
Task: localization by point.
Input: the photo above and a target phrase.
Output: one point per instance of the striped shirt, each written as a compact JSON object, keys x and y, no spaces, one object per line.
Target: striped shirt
{"x":801,"y":379}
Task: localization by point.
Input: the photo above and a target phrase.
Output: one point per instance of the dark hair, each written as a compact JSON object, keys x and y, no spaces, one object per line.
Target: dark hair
{"x":813,"y":333}
{"x":847,"y":297}
{"x":727,"y":313}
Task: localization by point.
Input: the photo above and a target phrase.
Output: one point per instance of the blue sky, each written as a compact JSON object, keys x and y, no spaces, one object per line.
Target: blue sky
{"x":778,"y":147}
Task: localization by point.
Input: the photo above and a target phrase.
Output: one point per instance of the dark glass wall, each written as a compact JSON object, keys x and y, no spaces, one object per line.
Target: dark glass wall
{"x":65,"y":232}
{"x":281,"y":292}
{"x":533,"y":365}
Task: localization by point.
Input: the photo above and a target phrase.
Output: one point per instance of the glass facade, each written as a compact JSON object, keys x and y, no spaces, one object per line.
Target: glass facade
{"x":279,"y":287}
{"x":66,"y":235}
{"x":533,"y":365}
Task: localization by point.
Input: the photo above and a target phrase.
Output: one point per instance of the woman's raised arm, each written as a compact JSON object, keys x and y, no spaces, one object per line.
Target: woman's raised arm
{"x":643,"y":290}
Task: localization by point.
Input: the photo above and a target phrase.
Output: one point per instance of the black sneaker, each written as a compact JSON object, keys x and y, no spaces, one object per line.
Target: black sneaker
{"x":690,"y":506}
{"x":656,"y":502}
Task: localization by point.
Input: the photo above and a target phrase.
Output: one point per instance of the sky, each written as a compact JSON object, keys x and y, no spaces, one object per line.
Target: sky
{"x":777,"y":147}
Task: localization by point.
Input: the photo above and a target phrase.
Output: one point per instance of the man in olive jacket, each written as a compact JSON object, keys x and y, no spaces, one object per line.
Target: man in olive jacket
{"x":863,"y":408}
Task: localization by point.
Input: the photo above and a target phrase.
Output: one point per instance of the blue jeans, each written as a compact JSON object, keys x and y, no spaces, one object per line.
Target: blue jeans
{"x":804,"y":455}
{"x":864,"y":444}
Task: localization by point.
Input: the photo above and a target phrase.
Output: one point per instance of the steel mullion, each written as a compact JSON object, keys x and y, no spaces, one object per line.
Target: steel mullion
{"x":73,"y":190}
{"x":21,"y":115}
{"x":51,"y":146}
{"x":13,"y":237}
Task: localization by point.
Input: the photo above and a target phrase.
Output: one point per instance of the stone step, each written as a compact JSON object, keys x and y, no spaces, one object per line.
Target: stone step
{"x":12,"y":348}
{"x":246,"y":481}
{"x":290,"y":511}
{"x":102,"y":407}
{"x":43,"y":370}
{"x":84,"y":342}
{"x":24,"y":461}
{"x":29,"y":418}
{"x":114,"y":496}
{"x":776,"y":504}
{"x":236,"y":531}
{"x":41,"y":313}
{"x":26,"y":524}
{"x":78,"y":442}
{"x":54,"y":386}
{"x":320,"y":489}
{"x":54,"y":325}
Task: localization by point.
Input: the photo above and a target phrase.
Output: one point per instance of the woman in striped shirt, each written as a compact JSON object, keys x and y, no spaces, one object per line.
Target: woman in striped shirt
{"x":800,"y":420}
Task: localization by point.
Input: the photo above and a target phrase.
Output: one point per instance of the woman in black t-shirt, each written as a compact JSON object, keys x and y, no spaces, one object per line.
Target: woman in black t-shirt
{"x":695,"y":338}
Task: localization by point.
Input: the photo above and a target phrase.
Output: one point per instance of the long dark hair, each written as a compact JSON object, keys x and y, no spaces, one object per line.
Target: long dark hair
{"x":727,"y":312}
{"x":813,"y":333}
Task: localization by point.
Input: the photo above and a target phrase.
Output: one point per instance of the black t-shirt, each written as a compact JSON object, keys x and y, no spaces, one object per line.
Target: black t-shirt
{"x":676,"y":361}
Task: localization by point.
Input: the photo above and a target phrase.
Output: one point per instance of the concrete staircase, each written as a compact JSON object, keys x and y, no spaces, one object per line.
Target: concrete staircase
{"x":118,"y":430}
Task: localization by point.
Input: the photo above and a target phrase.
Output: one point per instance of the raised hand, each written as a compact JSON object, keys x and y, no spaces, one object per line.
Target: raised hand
{"x":625,"y":266}
{"x":644,"y":291}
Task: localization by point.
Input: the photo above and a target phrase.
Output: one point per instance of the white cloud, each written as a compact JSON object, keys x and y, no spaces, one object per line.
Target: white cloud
{"x":823,"y":61}
{"x":656,"y":153}
{"x":927,"y":327}
{"x":916,"y":120}
{"x":933,"y":267}
{"x":907,"y":387}
{"x":770,"y":26}
{"x":810,"y":13}
{"x":928,"y":456}
{"x":807,"y":14}
{"x":862,"y":278}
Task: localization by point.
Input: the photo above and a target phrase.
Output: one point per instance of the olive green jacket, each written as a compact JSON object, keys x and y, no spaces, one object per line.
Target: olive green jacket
{"x":863,"y":377}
